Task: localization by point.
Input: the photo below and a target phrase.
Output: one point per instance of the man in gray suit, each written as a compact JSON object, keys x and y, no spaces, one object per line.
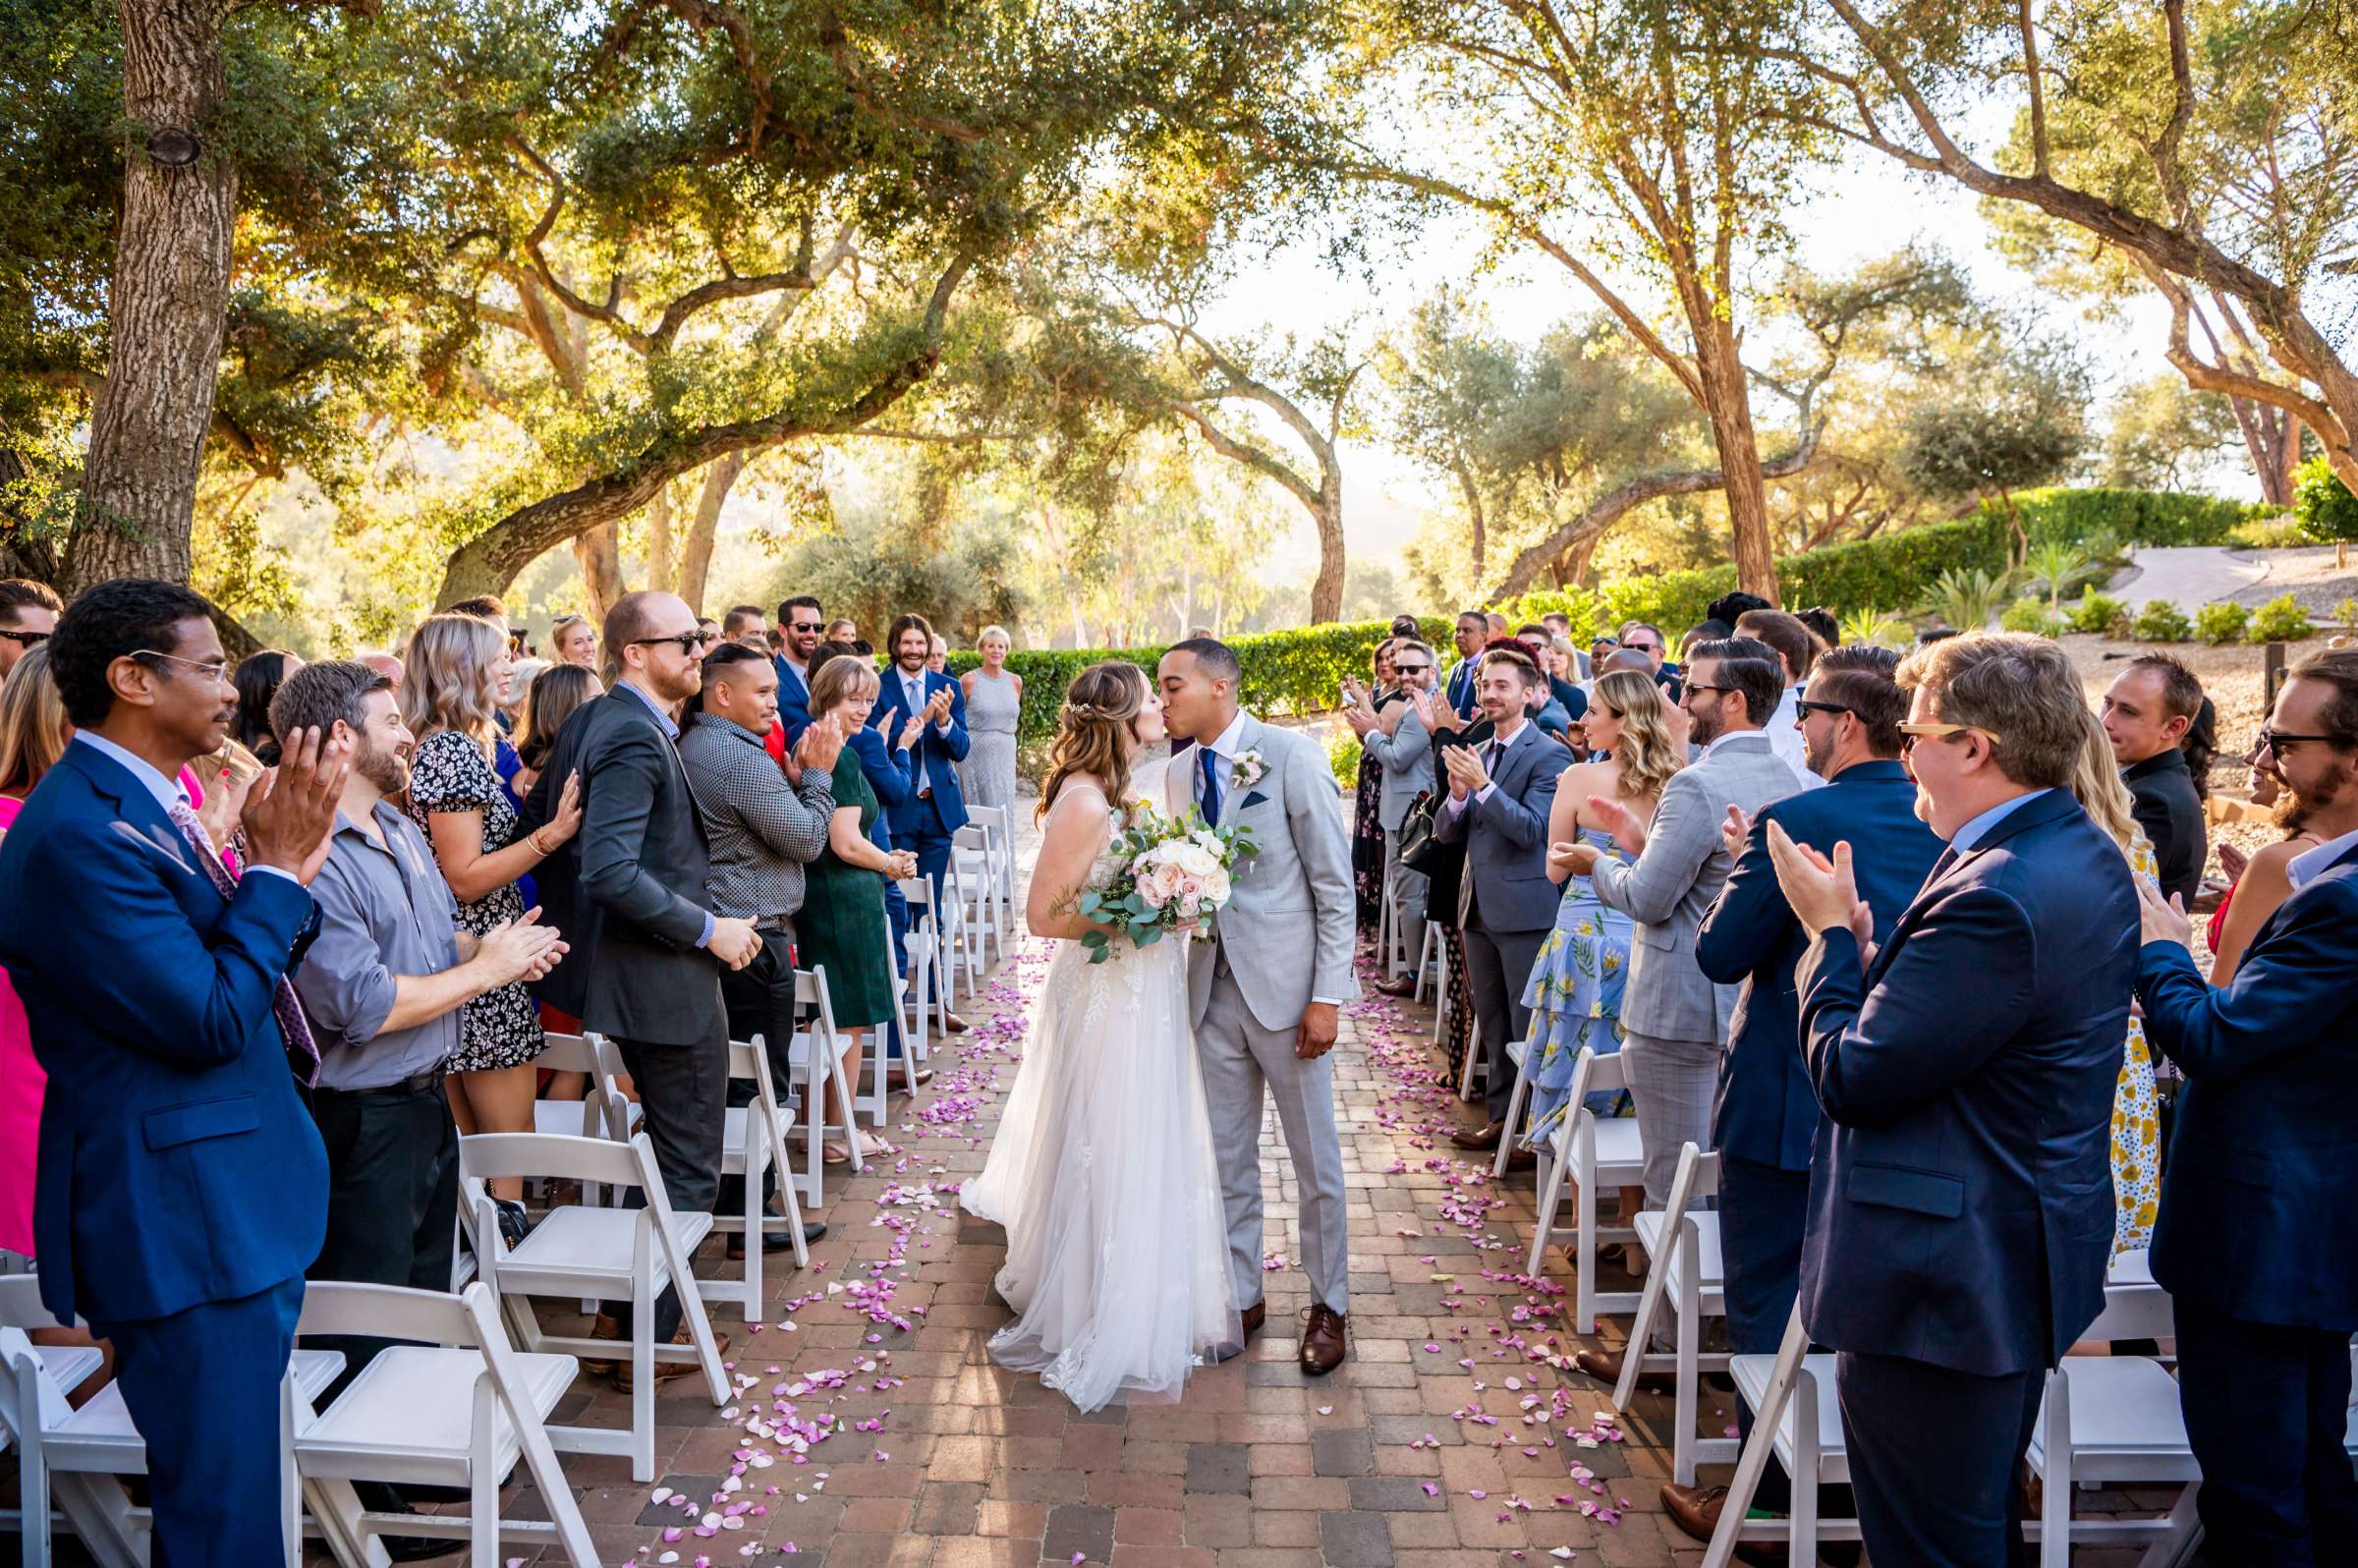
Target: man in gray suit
{"x":1675,"y":1017}
{"x":1403,"y":747}
{"x":1499,"y":796}
{"x":1265,"y":1000}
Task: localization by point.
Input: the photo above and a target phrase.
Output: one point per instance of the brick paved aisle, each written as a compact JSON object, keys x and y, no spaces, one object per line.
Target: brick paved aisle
{"x":874,"y":1428}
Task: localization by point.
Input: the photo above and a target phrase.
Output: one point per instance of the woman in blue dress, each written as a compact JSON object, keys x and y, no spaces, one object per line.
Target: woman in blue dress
{"x":1576,"y":983}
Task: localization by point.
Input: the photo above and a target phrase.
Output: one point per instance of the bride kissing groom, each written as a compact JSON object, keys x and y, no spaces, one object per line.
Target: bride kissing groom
{"x":1144,"y":1079}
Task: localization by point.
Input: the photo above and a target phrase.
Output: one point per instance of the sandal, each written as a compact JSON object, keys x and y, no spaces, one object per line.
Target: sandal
{"x":834,"y":1154}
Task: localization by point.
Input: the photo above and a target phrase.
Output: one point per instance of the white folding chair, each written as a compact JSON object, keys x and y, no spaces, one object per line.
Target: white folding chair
{"x":815,"y":1059}
{"x":77,"y":1458}
{"x":455,"y":1405}
{"x":1595,"y":1152}
{"x":1683,"y":1244}
{"x":2114,"y":1420}
{"x":1517,"y":1051}
{"x":2103,"y":1417}
{"x":591,"y":1116}
{"x":966,"y":884}
{"x":609,"y":1254}
{"x":1432,"y":965}
{"x":997,"y":824}
{"x":927,"y":990}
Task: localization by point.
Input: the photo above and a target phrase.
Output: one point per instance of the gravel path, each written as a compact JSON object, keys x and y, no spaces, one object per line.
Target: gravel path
{"x":2190,"y":576}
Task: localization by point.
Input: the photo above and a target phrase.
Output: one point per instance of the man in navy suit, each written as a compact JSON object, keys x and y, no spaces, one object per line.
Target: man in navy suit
{"x":2256,"y":1241}
{"x":1961,"y":1186}
{"x":800,"y":620}
{"x":934,"y":808}
{"x":1765,"y":1118}
{"x":182,"y":1188}
{"x":1463,"y":687}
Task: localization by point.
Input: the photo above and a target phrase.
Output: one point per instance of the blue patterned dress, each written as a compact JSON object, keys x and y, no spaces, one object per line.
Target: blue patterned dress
{"x":1575,"y":997}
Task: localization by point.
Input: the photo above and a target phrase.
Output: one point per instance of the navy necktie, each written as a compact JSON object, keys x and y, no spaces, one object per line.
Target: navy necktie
{"x":1212,"y":785}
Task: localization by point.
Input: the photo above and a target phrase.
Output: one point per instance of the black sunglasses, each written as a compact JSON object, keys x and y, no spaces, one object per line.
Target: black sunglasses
{"x":2276,"y":741}
{"x":804,"y":626}
{"x":27,"y":639}
{"x":1808,"y":707}
{"x":686,"y":642}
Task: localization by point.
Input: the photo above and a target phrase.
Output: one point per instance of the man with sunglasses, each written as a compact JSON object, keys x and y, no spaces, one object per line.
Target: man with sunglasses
{"x":28,"y":613}
{"x":629,"y":891}
{"x":1961,"y":1187}
{"x":1765,"y":1114}
{"x":801,"y":622}
{"x":2256,"y":1241}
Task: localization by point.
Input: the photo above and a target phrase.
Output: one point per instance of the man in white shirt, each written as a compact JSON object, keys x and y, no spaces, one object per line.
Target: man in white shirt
{"x":1796,"y":651}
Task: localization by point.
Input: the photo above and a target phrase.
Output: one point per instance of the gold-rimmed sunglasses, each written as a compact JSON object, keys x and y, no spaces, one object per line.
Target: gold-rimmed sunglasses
{"x":1910,"y":734}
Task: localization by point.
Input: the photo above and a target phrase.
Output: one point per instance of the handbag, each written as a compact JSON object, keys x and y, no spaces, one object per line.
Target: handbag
{"x":1421,"y":848}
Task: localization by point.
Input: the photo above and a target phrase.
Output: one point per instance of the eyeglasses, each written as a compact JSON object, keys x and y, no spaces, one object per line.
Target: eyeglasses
{"x":1697,"y":686}
{"x":2276,"y":740}
{"x":686,"y":642}
{"x":803,"y":626}
{"x":27,"y":639}
{"x":1412,"y":669}
{"x":1910,"y":734}
{"x":213,"y":669}
{"x":1808,"y":707}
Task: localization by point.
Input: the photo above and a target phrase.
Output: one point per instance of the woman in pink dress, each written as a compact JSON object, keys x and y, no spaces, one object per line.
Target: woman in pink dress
{"x":33,"y":736}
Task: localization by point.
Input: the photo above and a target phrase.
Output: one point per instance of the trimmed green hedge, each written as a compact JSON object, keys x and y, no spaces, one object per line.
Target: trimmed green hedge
{"x":1284,"y":672}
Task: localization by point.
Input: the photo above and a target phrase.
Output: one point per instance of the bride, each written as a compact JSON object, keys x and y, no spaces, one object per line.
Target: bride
{"x":1101,"y":1170}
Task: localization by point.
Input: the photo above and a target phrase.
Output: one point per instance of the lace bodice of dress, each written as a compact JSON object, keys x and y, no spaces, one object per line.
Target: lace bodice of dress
{"x":1102,"y":869}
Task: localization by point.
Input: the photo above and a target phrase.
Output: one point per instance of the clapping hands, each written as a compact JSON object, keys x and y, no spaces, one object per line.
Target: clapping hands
{"x":2160,"y":920}
{"x":1823,"y":892}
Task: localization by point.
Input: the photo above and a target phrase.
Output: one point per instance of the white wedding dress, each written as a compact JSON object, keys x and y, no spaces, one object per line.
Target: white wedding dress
{"x":1102,"y":1173}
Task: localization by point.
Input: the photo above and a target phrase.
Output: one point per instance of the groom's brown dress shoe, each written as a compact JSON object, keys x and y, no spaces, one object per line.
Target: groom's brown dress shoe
{"x":1696,"y":1510}
{"x":1480,"y":1138}
{"x":1249,"y":1321}
{"x":1321,"y":1340}
{"x":1405,"y":985}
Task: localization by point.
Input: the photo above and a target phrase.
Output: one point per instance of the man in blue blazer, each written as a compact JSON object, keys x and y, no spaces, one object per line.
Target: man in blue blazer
{"x":935,"y":810}
{"x":1961,"y":1186}
{"x":1461,"y":687}
{"x":181,"y":1188}
{"x":2258,"y":1240}
{"x":1765,"y":1119}
{"x":802,"y":620}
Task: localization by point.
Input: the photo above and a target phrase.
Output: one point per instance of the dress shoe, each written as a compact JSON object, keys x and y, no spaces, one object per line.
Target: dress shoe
{"x":1321,"y":1340}
{"x":1696,"y":1511}
{"x":954,"y":1025}
{"x":1605,"y":1367}
{"x":1484,"y":1138}
{"x":1522,"y":1159}
{"x":775,"y":1241}
{"x":1405,"y":985}
{"x":605,"y":1327}
{"x":1249,"y":1321}
{"x":382,"y":1497}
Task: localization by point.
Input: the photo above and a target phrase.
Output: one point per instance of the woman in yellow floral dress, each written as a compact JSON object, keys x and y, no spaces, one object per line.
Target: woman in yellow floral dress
{"x":2135,"y":1108}
{"x":1575,"y":981}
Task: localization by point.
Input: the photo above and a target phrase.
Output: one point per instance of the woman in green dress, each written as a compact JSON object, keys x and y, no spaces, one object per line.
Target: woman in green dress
{"x":842,"y":928}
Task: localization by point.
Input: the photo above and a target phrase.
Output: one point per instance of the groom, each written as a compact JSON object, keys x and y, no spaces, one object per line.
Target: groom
{"x":1264,"y":998}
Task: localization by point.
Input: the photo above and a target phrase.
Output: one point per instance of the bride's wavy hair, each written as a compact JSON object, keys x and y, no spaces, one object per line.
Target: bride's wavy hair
{"x":1097,"y":729}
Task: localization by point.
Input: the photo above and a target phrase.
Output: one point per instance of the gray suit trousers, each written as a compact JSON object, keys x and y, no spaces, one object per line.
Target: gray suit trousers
{"x":1497,"y":968}
{"x":1671,"y":1081}
{"x":1412,"y":887}
{"x":1242,"y":1061}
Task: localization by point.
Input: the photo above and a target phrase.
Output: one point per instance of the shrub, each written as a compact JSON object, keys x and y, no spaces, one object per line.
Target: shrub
{"x":1343,"y":752}
{"x":2280,"y":533}
{"x":1873,"y":628}
{"x":2102,"y":614}
{"x":1967,"y":600}
{"x":2327,"y":510}
{"x":2056,"y":567}
{"x":2221,"y":621}
{"x":2128,"y":517}
{"x":2027,"y":614}
{"x":2279,"y":620}
{"x":2161,"y":621}
{"x":2345,"y":613}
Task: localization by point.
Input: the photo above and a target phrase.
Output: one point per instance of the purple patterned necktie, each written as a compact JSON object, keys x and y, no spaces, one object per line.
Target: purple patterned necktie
{"x":291,"y":1021}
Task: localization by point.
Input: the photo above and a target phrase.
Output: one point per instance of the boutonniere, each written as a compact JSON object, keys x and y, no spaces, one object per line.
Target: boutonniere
{"x":1249,"y":768}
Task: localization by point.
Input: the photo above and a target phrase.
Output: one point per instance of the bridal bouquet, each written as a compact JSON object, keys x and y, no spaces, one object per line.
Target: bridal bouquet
{"x":1174,"y":872}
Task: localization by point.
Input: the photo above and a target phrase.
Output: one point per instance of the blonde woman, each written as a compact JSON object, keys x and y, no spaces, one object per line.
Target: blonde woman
{"x":1102,"y":1168}
{"x":2135,"y":1108}
{"x":453,"y":674}
{"x":575,"y":641}
{"x":995,"y":699}
{"x":1576,"y":983}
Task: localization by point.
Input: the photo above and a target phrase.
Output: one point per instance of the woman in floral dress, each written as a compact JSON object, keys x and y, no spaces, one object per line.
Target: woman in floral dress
{"x":1576,"y":983}
{"x":2136,"y":1106}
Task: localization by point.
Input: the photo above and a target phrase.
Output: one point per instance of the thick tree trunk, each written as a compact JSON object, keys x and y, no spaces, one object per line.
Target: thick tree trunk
{"x":696,"y":559}
{"x":659,"y":563}
{"x":165,"y":305}
{"x":600,"y":553}
{"x":1327,"y":588}
{"x":1727,"y":402}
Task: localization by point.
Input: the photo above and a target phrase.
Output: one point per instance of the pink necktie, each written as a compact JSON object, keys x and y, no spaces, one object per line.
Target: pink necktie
{"x":291,"y":1021}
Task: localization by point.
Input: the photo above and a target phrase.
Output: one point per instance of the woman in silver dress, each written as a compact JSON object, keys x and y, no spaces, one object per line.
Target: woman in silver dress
{"x":995,"y":696}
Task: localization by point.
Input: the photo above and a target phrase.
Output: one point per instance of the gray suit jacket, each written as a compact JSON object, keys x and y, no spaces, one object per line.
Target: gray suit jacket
{"x":1505,"y":885}
{"x":1671,"y":887}
{"x":1406,"y":756}
{"x":1289,"y":926}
